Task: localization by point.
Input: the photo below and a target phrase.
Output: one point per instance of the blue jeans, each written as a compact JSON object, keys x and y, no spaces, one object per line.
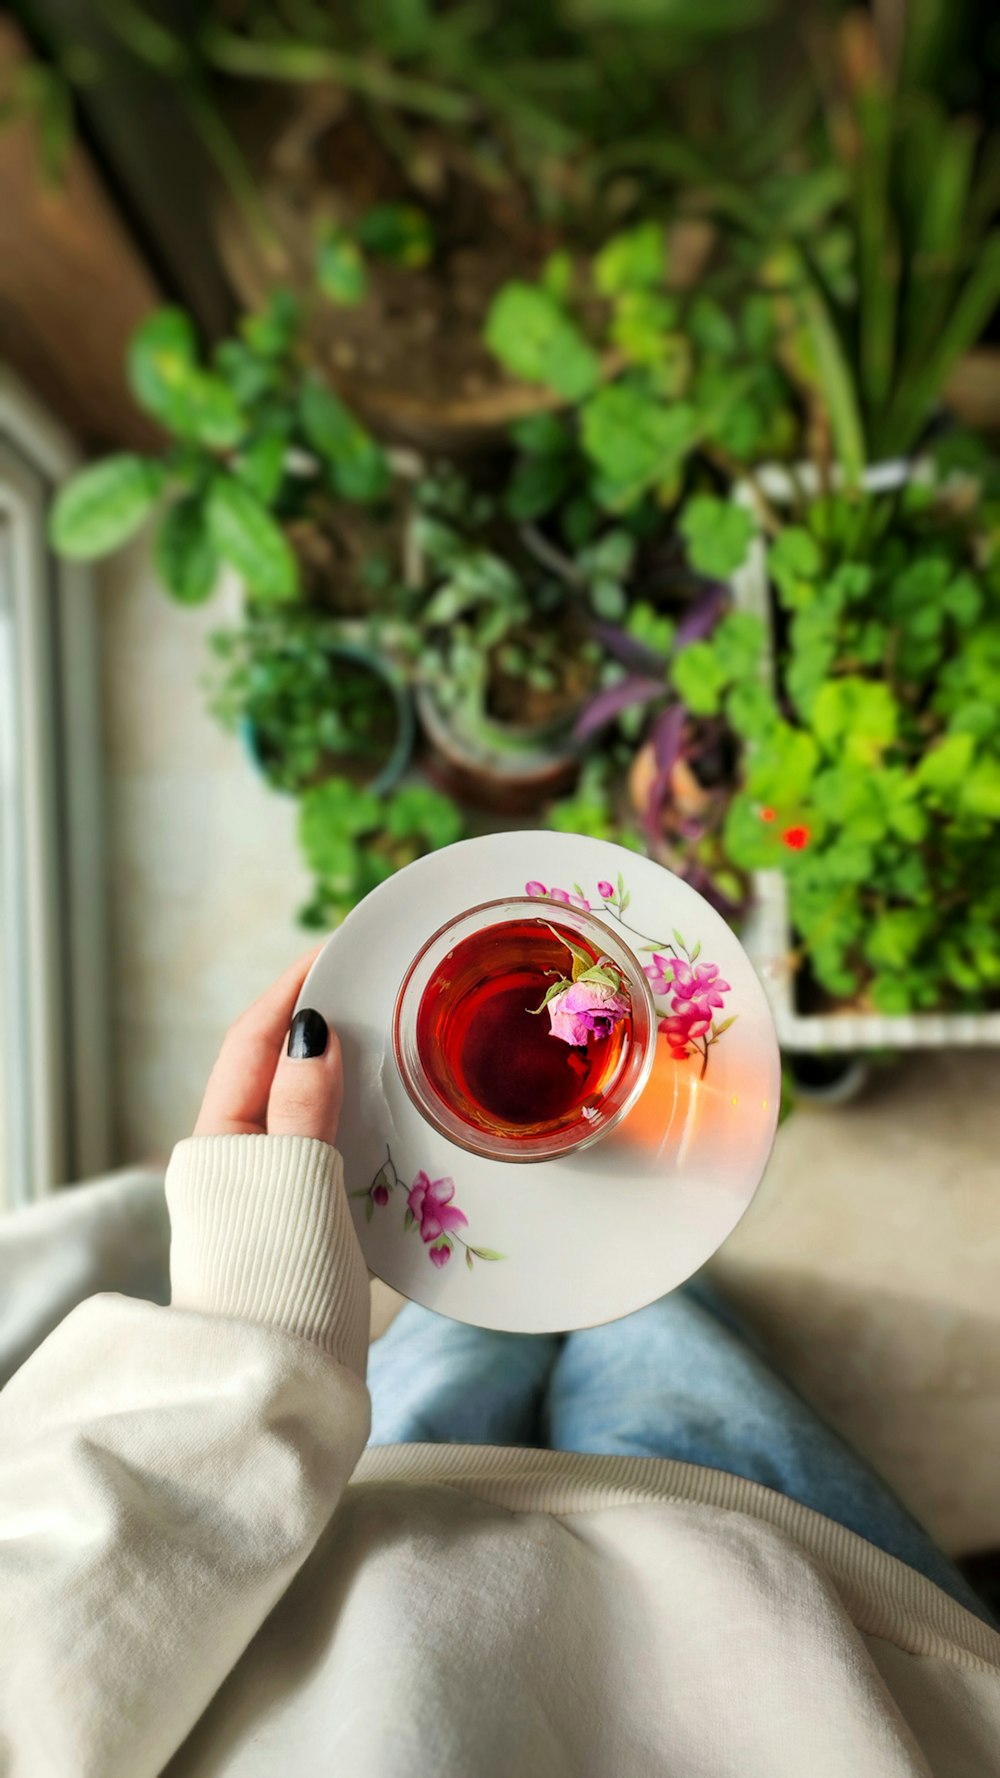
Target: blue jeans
{"x":679,"y":1379}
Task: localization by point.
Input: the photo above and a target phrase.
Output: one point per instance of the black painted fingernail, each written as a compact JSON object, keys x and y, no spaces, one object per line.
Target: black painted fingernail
{"x":308,"y":1036}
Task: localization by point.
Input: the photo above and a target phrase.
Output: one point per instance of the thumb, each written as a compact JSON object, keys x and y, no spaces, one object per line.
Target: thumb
{"x":308,"y":1086}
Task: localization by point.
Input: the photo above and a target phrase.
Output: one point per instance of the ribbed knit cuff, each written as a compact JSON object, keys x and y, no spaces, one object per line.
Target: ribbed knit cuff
{"x":261,"y":1231}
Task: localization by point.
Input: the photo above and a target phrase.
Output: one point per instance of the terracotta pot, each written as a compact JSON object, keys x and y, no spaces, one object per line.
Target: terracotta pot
{"x":972,"y":392}
{"x":460,"y":412}
{"x":508,"y":770}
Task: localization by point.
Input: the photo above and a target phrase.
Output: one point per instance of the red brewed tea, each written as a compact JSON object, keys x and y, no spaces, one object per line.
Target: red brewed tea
{"x":488,"y":1052}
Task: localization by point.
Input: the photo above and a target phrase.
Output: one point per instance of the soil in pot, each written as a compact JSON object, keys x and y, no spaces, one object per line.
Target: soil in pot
{"x":537,"y":712}
{"x":508,"y":655}
{"x":516,"y":753}
{"x":410,"y":358}
{"x":507,"y":766}
{"x":348,"y":555}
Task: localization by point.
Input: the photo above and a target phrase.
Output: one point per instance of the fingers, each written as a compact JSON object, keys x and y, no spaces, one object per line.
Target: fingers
{"x":308,"y":1088}
{"x":235,"y":1101}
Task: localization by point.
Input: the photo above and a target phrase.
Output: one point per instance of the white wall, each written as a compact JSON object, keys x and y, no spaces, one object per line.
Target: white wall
{"x":204,"y":873}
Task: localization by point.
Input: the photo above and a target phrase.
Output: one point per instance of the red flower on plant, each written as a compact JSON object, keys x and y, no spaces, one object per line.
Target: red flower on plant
{"x":767,"y":815}
{"x":796,"y":838}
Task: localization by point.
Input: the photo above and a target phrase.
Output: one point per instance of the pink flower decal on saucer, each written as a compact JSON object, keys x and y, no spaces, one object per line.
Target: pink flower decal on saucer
{"x":429,"y":1203}
{"x":693,"y":990}
{"x":574,"y":898}
{"x":429,"y":1209}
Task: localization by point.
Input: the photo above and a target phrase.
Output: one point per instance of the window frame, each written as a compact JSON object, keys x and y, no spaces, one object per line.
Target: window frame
{"x":56,"y":1009}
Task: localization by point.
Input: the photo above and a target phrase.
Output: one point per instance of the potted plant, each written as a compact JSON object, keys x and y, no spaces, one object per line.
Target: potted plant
{"x":874,"y":309}
{"x":649,"y":376}
{"x":269,"y":474}
{"x":870,"y":797}
{"x":879,"y":305}
{"x":561,"y":134}
{"x":678,"y":757}
{"x":505,"y":655}
{"x":647,"y":380}
{"x":310,"y":704}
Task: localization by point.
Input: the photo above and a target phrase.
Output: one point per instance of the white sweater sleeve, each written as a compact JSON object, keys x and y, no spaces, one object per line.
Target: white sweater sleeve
{"x":165,"y":1472}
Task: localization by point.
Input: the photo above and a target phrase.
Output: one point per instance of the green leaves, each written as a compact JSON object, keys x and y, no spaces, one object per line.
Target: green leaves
{"x":335,"y":808}
{"x":634,"y":441}
{"x":738,"y":642}
{"x":103,"y":505}
{"x":353,"y":840}
{"x":896,"y":936}
{"x":401,"y":233}
{"x":942,"y":770}
{"x":717,"y":534}
{"x":535,"y":339}
{"x":980,"y":793}
{"x":698,"y":678}
{"x":641,"y":327}
{"x":358,"y":467}
{"x":184,"y":554}
{"x":781,"y":775}
{"x":633,"y":260}
{"x":261,"y":463}
{"x":702,"y":671}
{"x":751,"y":711}
{"x":242,"y":532}
{"x":271,"y":332}
{"x":858,"y":717}
{"x":794,"y":561}
{"x":544,"y":472}
{"x":340,"y":268}
{"x":417,"y":811}
{"x":890,"y":666}
{"x":167,"y":380}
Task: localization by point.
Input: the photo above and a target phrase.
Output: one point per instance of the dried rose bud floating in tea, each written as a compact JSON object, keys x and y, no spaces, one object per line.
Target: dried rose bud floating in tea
{"x":522,"y":1037}
{"x":488,"y":1028}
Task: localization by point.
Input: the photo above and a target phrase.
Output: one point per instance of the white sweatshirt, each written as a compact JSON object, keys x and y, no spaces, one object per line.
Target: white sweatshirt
{"x":198,"y":1566}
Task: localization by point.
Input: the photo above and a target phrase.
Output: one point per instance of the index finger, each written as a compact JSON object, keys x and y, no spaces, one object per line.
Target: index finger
{"x":235,"y":1102}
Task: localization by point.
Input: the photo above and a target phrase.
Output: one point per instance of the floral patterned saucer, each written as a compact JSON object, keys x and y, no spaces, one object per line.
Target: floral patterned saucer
{"x":599,"y":1232}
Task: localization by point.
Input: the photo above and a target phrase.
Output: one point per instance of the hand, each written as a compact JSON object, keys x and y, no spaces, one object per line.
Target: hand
{"x":262,"y":1086}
